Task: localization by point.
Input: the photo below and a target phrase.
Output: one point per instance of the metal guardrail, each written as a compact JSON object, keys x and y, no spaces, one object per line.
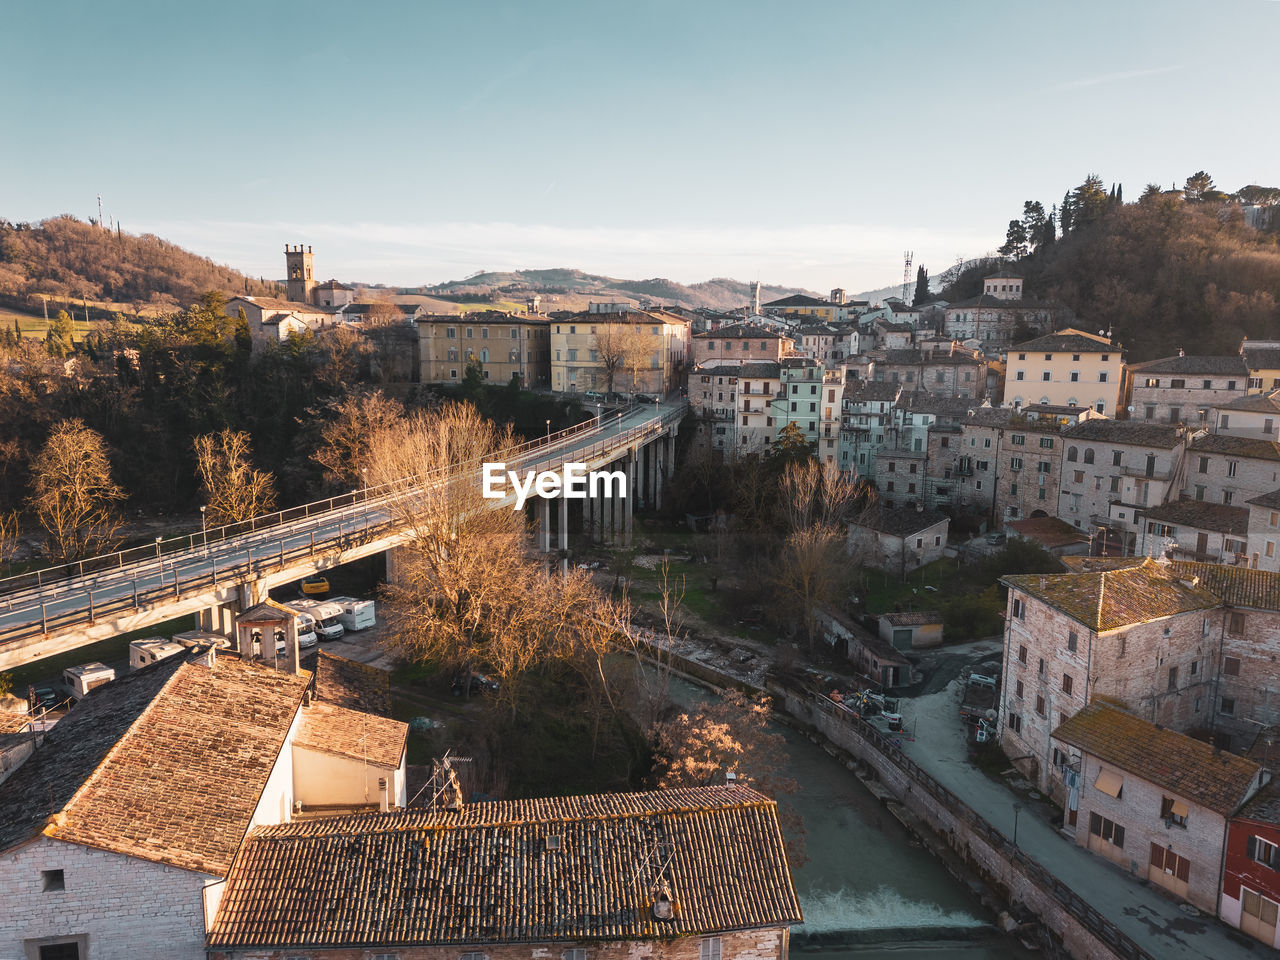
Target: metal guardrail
{"x":1120,"y":942}
{"x":348,"y":516}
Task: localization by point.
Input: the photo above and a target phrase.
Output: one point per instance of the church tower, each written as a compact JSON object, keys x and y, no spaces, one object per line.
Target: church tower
{"x":298,"y":273}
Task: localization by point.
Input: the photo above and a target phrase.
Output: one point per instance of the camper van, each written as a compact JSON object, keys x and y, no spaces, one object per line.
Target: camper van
{"x":356,"y":614}
{"x":327,"y":615}
{"x":80,"y":680}
{"x":150,"y":649}
{"x":305,"y":624}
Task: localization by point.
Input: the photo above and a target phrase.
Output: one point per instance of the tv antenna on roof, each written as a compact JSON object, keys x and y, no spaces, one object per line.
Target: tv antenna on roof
{"x":446,"y":791}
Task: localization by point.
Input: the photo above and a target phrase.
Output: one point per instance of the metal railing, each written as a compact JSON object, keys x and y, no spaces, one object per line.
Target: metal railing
{"x":344,"y":521}
{"x":1105,"y":930}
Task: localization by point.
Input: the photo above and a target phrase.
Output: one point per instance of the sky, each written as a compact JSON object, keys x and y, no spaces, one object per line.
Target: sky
{"x":803,"y":143}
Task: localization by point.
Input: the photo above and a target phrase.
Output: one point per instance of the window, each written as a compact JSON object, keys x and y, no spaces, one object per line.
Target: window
{"x":1046,"y":443}
{"x":1044,"y":375}
{"x":1018,"y":439}
{"x":1015,"y":723}
{"x":1231,"y":467}
{"x":1255,"y":383}
{"x":1110,"y":783}
{"x":1228,"y":707}
{"x":1020,"y":375}
{"x":69,"y":950}
{"x":1226,"y":420}
{"x":1263,"y":851}
{"x":1088,"y":454}
{"x":1166,"y":861}
{"x":1040,"y":704}
{"x":1173,"y":811}
{"x":1173,"y":679}
{"x":52,"y":880}
{"x":1235,"y":624}
{"x":1067,"y":683}
{"x":709,"y":948}
{"x":1108,"y":830}
{"x":1102,"y":377}
{"x":1022,"y":654}
{"x":1020,"y":611}
{"x":1072,"y":454}
{"x":574,"y":953}
{"x":472,"y":955}
{"x":1072,"y":641}
{"x":1040,"y":669}
{"x":1018,"y":690}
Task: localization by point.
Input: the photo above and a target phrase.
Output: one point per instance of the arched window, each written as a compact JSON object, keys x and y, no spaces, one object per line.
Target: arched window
{"x":1088,"y":454}
{"x":1072,"y":454}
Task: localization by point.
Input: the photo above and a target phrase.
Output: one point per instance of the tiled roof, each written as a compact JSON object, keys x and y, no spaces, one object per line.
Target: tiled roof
{"x":1263,"y":806}
{"x":1260,"y":358}
{"x":1097,"y":564}
{"x":902,"y":521}
{"x":351,"y":684}
{"x":767,"y":369}
{"x":1108,"y":600}
{"x":1189,"y":768}
{"x":351,"y":733}
{"x":1257,"y":403}
{"x":1202,"y":515}
{"x":1048,"y":531}
{"x":739,"y":331}
{"x":13,"y":722}
{"x":490,"y":873}
{"x":1236,"y":586}
{"x":987,"y":300}
{"x":333,"y":285}
{"x":165,"y":764}
{"x":1069,"y":340}
{"x":288,"y":306}
{"x":889,"y":326}
{"x":873,"y":390}
{"x":1132,"y":432}
{"x":799,"y":300}
{"x":1210,"y":366}
{"x":902,"y":308}
{"x":1271,"y":500}
{"x":1004,"y":274}
{"x":1248,"y":447}
{"x":912,"y":618}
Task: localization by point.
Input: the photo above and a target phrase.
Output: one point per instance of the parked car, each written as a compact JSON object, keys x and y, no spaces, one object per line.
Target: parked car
{"x":479,"y":684}
{"x":316,"y":584}
{"x":996,"y":539}
{"x":48,"y":699}
{"x":647,"y":398}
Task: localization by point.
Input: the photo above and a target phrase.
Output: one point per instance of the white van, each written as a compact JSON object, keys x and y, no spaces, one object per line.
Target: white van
{"x":356,"y":614}
{"x":327,"y":614}
{"x":150,"y":649}
{"x":80,"y":680}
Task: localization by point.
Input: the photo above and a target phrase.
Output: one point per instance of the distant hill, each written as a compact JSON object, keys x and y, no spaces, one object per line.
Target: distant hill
{"x":571,"y":289}
{"x":1163,"y":274}
{"x":63,"y":257}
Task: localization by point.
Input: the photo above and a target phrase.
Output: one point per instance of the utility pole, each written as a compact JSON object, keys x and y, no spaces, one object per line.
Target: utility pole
{"x":101,"y":225}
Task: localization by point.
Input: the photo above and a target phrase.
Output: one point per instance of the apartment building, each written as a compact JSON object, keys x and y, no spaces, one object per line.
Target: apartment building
{"x":1255,"y":415}
{"x":1262,"y":357}
{"x":1185,"y":389}
{"x":739,"y":343}
{"x":624,"y":350}
{"x":1196,"y":530}
{"x":812,"y":398}
{"x":1070,"y":368}
{"x":506,"y":346}
{"x":1231,"y":470}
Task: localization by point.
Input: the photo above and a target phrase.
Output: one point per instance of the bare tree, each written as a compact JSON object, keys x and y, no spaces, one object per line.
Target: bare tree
{"x":9,"y":530}
{"x":233,"y":489}
{"x":344,"y":453}
{"x":465,"y":592}
{"x":619,"y":346}
{"x":73,"y":496}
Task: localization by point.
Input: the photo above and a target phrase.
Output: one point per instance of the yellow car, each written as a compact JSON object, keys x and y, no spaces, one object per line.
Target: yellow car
{"x":315,"y":585}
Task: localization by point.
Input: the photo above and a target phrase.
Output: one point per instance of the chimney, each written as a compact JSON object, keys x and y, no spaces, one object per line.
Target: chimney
{"x":384,"y":803}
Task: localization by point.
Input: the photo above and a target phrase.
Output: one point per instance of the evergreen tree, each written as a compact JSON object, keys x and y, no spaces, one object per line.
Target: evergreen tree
{"x":1089,"y":201}
{"x":1151,"y":192}
{"x":922,"y":287}
{"x":1048,"y":234}
{"x":1120,"y":194}
{"x":1066,"y":214}
{"x":1015,"y":241}
{"x":1033,"y":222}
{"x":1197,"y":185}
{"x":60,"y":340}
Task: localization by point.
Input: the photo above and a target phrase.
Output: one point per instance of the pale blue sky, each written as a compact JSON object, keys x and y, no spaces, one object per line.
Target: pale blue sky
{"x":808,"y":143}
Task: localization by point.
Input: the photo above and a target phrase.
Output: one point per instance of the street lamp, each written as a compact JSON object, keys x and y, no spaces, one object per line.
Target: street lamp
{"x":364,"y":478}
{"x":548,"y":431}
{"x":599,"y":412}
{"x":204,"y":535}
{"x":158,"y":547}
{"x":1017,"y":808}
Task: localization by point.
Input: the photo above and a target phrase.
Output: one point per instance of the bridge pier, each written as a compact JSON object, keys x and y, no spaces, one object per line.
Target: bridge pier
{"x":562,"y":512}
{"x":220,"y":619}
{"x":628,"y":509}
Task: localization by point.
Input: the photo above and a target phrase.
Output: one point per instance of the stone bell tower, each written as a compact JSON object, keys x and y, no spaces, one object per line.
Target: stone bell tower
{"x":298,"y":273}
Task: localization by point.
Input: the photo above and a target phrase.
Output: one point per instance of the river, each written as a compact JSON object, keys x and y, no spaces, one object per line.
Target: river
{"x":866,"y":874}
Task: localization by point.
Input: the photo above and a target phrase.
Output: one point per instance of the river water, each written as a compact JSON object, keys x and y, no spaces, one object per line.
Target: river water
{"x":865,"y":873}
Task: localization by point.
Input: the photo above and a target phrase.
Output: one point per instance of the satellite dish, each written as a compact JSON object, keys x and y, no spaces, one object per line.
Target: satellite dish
{"x":1131,"y":408}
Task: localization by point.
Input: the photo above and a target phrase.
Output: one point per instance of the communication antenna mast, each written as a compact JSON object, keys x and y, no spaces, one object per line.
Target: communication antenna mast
{"x":100,"y":223}
{"x":906,"y":274}
{"x":446,"y":791}
{"x":653,"y":872}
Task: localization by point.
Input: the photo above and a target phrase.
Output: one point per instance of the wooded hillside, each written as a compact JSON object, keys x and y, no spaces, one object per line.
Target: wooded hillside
{"x":63,"y":257}
{"x":1175,"y":269}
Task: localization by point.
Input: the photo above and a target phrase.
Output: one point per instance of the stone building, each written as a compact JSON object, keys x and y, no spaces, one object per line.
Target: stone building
{"x":1070,"y":368}
{"x":1251,"y":872}
{"x":1153,"y":801}
{"x":119,"y":830}
{"x":1185,"y":389}
{"x":738,"y":343}
{"x":653,"y":347}
{"x":272,"y":320}
{"x":1195,"y":530}
{"x":999,"y":316}
{"x":954,"y":371}
{"x":1263,"y":542}
{"x":1231,"y":470}
{"x":687,"y":874}
{"x":506,"y":345}
{"x":899,"y":540}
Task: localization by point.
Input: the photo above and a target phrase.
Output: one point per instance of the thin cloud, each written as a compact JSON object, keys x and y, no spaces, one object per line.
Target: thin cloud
{"x":1113,"y":78}
{"x":816,"y":256}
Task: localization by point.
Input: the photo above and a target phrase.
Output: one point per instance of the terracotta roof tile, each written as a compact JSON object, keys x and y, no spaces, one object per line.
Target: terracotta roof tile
{"x":912,"y":618}
{"x":131,"y":768}
{"x":1069,"y":340}
{"x":488,"y":873}
{"x":351,"y":733}
{"x":1203,"y":515}
{"x":1236,"y":586}
{"x":1211,"y":366}
{"x":1192,"y":769}
{"x":348,"y":683}
{"x":1271,"y":500}
{"x":1103,"y":430}
{"x":1048,"y":531}
{"x":1108,"y":600}
{"x":1248,"y":447}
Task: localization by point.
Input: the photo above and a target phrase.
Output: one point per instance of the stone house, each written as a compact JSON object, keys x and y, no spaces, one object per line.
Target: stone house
{"x":998,"y":316}
{"x":738,"y":343}
{"x":272,"y":320}
{"x":506,"y":345}
{"x":1153,"y":801}
{"x":1071,"y":637}
{"x":867,"y":415}
{"x":1251,"y":872}
{"x":1069,"y":368}
{"x":114,"y":845}
{"x":1195,"y":530}
{"x":800,"y":306}
{"x":898,"y":540}
{"x":1231,"y":470}
{"x":1263,"y":541}
{"x":687,"y":874}
{"x":1112,"y":470}
{"x":1255,"y":415}
{"x":759,"y":382}
{"x":1185,"y":389}
{"x":819,"y":342}
{"x":713,"y":394}
{"x":811,"y":397}
{"x":954,"y":372}
{"x":875,"y":658}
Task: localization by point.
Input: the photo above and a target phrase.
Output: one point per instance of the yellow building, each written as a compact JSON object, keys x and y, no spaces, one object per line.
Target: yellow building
{"x":1262,"y":357}
{"x":647,"y":350}
{"x":505,"y":345}
{"x":1069,"y":368}
{"x":799,"y":305}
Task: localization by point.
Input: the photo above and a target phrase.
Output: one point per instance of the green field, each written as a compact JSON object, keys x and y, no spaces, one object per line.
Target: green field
{"x":34,"y":327}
